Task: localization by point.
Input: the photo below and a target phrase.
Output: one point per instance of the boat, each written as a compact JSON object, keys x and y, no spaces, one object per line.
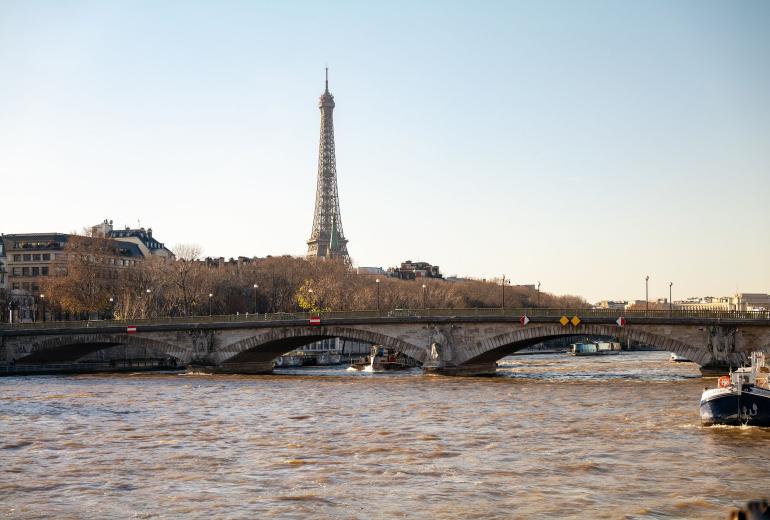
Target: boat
{"x":288,"y":360}
{"x":360,"y":363}
{"x":383,"y":359}
{"x":601,"y":348}
{"x":328,"y":358}
{"x":676,"y":358}
{"x":741,"y":398}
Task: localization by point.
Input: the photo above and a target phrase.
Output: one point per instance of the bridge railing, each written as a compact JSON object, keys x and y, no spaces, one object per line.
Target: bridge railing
{"x":394,"y":314}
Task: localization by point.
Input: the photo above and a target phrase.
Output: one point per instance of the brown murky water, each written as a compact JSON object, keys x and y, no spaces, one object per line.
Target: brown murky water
{"x":552,"y":436}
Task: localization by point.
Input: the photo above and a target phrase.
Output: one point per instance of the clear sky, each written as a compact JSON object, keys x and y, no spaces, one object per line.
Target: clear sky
{"x":581,"y":144}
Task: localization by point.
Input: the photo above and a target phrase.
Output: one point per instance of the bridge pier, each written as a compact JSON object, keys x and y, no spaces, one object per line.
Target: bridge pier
{"x":470,"y":370}
{"x":715,"y":370}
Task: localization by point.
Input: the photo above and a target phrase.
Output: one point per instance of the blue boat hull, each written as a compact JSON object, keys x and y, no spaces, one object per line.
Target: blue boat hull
{"x":755,"y":406}
{"x":750,"y":407}
{"x":722,"y":409}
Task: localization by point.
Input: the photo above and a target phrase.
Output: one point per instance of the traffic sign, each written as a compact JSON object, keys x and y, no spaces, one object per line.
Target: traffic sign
{"x":575,"y":321}
{"x":523,"y":320}
{"x":564,"y":320}
{"x":315,"y":320}
{"x":621,"y":322}
{"x":131,"y":329}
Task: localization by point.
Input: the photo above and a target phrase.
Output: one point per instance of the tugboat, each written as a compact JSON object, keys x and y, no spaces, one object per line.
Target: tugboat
{"x":383,"y":359}
{"x":742,"y":398}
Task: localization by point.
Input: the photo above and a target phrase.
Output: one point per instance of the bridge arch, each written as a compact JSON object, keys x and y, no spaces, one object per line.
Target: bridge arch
{"x":268,"y":345}
{"x":71,"y":348}
{"x":497,"y":347}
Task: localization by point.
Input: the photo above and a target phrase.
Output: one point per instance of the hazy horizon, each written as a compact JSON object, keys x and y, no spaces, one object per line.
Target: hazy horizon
{"x":584,"y":147}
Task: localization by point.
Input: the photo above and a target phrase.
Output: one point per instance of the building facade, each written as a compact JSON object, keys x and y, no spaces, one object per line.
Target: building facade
{"x":737,"y":302}
{"x":3,"y":272}
{"x":412,"y":270}
{"x":141,"y":237}
{"x":30,"y":257}
{"x":612,"y":304}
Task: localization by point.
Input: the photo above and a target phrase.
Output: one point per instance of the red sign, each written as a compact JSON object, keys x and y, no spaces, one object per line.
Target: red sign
{"x":131,"y":329}
{"x":315,"y":320}
{"x":621,"y":321}
{"x":523,"y":320}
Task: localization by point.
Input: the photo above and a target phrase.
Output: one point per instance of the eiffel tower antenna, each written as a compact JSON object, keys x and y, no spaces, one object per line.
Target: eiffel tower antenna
{"x":327,"y":238}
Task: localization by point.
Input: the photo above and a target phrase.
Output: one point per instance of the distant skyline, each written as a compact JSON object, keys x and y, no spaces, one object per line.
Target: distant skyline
{"x":582,"y":145}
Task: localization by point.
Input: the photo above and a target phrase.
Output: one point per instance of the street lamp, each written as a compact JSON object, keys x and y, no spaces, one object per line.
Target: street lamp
{"x":311,"y":299}
{"x":255,"y":297}
{"x":377,"y":282}
{"x":42,"y":304}
{"x":538,"y":294}
{"x":670,"y":301}
{"x":647,"y":292}
{"x":146,"y":307}
{"x":210,"y":296}
{"x":424,"y":296}
{"x":503,"y":305}
{"x":112,"y":307}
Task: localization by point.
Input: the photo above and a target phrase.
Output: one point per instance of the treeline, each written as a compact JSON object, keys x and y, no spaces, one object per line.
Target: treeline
{"x":89,"y":282}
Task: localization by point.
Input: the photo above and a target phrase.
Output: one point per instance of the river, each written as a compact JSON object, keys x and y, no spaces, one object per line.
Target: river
{"x":552,"y":436}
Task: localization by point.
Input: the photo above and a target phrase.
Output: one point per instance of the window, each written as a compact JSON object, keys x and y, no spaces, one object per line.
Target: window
{"x":17,"y":258}
{"x":35,"y":288}
{"x":16,"y":287}
{"x":25,"y":286}
{"x":27,"y":258}
{"x":46,"y":257}
{"x":25,"y":271}
{"x":35,"y":271}
{"x":44,"y":271}
{"x":17,"y":271}
{"x":36,"y":257}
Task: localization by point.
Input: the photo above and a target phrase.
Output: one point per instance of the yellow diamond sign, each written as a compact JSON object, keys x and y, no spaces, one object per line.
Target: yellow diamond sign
{"x":564,"y":320}
{"x":575,"y":321}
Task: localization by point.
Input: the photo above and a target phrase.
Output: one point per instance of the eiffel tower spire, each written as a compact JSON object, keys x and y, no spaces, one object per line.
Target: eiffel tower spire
{"x":326,"y":238}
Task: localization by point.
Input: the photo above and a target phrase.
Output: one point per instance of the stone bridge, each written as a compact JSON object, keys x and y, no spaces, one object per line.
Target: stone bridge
{"x":452,"y":342}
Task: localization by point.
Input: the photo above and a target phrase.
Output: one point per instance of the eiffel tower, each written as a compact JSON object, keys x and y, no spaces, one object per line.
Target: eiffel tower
{"x":327,"y":239}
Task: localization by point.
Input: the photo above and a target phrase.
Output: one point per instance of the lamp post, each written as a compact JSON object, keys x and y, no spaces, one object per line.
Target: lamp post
{"x":112,"y":307}
{"x":312,"y":300}
{"x":538,"y":294}
{"x":647,"y":293}
{"x":503,"y":284}
{"x":147,"y":304}
{"x":377,"y":282}
{"x":255,"y":297}
{"x":424,"y":296}
{"x":210,"y":297}
{"x":670,"y":301}
{"x":42,"y":305}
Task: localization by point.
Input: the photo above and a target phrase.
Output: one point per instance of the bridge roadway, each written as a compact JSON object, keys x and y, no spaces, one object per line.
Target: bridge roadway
{"x":445,"y":341}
